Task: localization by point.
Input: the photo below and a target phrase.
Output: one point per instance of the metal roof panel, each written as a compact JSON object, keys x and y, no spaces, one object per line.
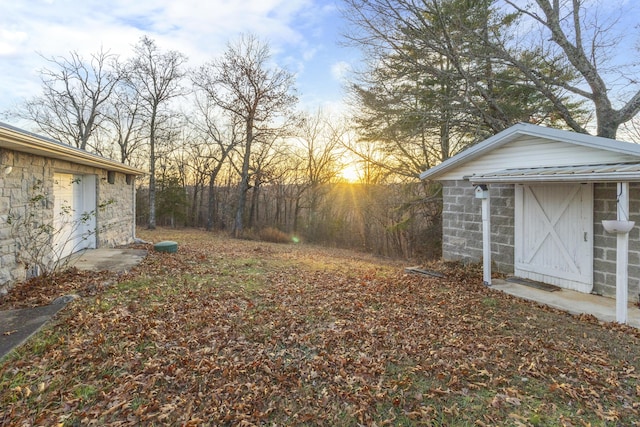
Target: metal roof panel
{"x":582,"y":173}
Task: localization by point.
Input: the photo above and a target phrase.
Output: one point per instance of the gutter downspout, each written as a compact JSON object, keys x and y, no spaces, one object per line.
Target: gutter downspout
{"x":482,"y":192}
{"x":133,"y":202}
{"x":622,"y":256}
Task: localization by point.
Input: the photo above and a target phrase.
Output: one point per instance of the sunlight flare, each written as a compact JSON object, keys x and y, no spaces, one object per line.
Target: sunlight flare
{"x":350,"y":173}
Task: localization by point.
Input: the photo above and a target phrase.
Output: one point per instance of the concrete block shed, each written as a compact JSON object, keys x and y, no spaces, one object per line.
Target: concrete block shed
{"x":531,"y":201}
{"x":71,"y":183}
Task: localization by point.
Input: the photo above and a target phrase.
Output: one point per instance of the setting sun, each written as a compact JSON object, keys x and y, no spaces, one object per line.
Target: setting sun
{"x":350,"y":173}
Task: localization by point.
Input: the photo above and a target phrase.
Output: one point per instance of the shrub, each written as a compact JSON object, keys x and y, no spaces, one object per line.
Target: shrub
{"x":274,"y":235}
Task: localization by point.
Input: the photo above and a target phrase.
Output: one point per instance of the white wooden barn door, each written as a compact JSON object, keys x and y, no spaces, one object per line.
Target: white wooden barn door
{"x":554,"y":234}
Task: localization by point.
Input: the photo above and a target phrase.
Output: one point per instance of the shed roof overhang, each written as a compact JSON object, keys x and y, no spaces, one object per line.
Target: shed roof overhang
{"x":16,"y":139}
{"x":620,"y":172}
{"x":525,"y":129}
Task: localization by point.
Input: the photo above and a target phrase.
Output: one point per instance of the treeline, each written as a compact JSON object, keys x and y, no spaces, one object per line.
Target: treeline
{"x":393,"y":220}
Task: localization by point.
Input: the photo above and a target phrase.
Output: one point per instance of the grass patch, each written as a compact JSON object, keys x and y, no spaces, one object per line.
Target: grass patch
{"x":85,"y":392}
{"x":137,"y":402}
{"x":490,"y":302}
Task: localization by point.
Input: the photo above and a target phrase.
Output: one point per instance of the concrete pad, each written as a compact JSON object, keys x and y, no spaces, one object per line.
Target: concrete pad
{"x":603,"y":308}
{"x":107,"y":259}
{"x":16,"y":326}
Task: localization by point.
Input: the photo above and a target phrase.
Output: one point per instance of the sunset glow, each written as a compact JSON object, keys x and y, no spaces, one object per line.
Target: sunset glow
{"x":350,"y":173}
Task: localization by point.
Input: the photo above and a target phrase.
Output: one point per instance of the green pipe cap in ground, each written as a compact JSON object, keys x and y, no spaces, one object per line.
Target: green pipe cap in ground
{"x":166,"y":246}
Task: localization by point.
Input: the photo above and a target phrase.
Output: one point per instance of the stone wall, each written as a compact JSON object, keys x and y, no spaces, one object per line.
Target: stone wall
{"x":23,"y":175}
{"x":19,"y":173}
{"x":462,"y":224}
{"x":116,"y":219}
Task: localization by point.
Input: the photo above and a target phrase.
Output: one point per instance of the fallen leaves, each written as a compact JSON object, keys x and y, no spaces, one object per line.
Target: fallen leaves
{"x":229,"y":332}
{"x":43,"y":290}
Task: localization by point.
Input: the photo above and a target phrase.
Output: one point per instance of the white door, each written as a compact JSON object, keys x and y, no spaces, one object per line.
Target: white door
{"x":87,"y":210}
{"x":554,"y":234}
{"x":74,"y":218}
{"x":63,"y":208}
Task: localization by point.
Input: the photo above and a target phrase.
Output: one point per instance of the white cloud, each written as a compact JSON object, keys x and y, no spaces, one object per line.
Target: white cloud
{"x":308,"y":54}
{"x":295,"y":29}
{"x":10,"y":41}
{"x":340,"y":71}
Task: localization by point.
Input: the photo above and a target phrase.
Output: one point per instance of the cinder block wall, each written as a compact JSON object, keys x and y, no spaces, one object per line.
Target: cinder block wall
{"x":604,"y":244}
{"x":114,"y":222}
{"x":462,"y":224}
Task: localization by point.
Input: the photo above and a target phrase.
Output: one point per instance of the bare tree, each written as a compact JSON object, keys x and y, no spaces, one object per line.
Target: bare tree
{"x":74,"y":92}
{"x":319,"y":151}
{"x":586,"y":38}
{"x":243,"y":84}
{"x":199,"y":162}
{"x":221,"y":129}
{"x":125,"y":123}
{"x":631,"y":130}
{"x":156,"y":77}
{"x":509,"y":60}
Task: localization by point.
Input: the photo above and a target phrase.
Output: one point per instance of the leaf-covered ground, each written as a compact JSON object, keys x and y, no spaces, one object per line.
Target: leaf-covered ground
{"x":229,"y":332}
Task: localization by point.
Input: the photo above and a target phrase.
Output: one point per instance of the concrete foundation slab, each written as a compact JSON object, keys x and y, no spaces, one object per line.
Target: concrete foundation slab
{"x":602,"y":308}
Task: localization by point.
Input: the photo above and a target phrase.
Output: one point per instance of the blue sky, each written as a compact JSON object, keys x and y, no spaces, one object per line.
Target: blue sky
{"x":303,"y":35}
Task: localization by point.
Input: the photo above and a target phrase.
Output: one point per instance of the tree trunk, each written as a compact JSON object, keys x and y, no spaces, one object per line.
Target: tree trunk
{"x":210,"y":202}
{"x":244,"y":182}
{"x":255,"y":194}
{"x":296,"y":215}
{"x":152,"y":174}
{"x":607,"y":123}
{"x":193,"y":218}
{"x":212,"y":196}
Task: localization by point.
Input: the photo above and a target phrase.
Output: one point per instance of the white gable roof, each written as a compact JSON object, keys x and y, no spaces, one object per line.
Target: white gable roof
{"x":530,"y":147}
